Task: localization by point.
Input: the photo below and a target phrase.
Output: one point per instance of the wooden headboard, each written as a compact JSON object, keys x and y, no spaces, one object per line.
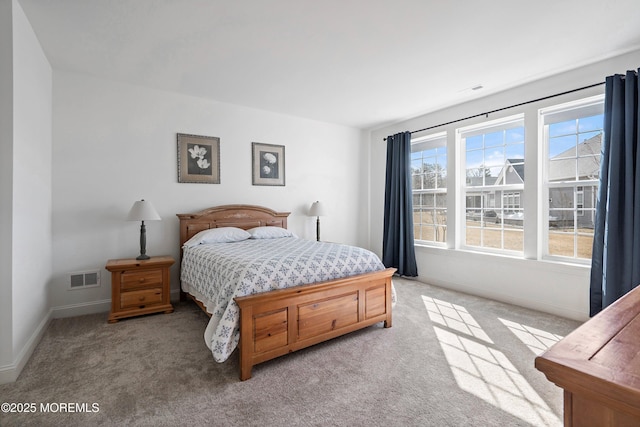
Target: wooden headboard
{"x":241,"y":216}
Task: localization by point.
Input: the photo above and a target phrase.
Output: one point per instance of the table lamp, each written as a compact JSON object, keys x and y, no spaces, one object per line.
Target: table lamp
{"x":143,"y":211}
{"x":317,"y":210}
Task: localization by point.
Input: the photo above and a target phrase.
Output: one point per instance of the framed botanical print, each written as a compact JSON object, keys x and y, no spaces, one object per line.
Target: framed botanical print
{"x":267,"y":164}
{"x":198,"y":159}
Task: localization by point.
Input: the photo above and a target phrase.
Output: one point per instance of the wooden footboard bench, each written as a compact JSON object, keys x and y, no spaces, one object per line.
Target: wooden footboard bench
{"x":279,"y":322}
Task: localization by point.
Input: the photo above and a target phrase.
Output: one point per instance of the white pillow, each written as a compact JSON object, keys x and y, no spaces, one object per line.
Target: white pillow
{"x":218,"y":235}
{"x":269,"y":232}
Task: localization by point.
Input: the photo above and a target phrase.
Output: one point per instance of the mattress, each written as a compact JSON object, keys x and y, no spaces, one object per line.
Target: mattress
{"x":216,"y":273}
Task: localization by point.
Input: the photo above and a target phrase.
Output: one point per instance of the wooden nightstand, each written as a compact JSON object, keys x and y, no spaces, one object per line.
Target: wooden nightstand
{"x":139,"y":286}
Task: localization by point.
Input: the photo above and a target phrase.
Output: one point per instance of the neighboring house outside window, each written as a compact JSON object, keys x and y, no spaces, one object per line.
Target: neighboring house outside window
{"x":429,"y":187}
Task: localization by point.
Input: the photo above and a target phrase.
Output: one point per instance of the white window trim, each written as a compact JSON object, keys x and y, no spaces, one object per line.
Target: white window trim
{"x":430,"y":141}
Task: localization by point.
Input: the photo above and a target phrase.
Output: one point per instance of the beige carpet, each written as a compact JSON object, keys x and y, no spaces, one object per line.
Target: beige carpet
{"x":450,"y":359}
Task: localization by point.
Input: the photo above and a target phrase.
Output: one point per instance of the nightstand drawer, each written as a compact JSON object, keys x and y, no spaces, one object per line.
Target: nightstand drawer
{"x":137,"y":279}
{"x":141,"y":298}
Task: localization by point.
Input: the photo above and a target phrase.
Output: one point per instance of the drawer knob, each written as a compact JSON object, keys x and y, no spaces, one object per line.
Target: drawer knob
{"x":140,"y":298}
{"x":141,"y":280}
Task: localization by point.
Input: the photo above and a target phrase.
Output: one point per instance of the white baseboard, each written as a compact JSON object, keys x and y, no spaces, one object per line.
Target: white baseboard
{"x":82,"y":309}
{"x":10,"y":373}
{"x":537,"y":305}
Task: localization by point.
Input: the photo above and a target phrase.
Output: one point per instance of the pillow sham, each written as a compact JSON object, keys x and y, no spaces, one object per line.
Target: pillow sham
{"x":218,"y":235}
{"x":270,"y":232}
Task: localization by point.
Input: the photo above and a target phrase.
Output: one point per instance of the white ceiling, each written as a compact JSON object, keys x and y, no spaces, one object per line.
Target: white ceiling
{"x":361,"y":63}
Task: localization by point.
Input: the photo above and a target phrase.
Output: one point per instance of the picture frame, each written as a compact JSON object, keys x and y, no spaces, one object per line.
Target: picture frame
{"x":198,"y":159}
{"x":268,"y":164}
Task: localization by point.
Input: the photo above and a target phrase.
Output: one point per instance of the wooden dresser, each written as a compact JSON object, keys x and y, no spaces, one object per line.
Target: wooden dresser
{"x":139,"y":286}
{"x":598,"y":366}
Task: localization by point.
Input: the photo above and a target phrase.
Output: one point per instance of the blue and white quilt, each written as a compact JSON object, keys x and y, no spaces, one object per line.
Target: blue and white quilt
{"x":216,"y":273}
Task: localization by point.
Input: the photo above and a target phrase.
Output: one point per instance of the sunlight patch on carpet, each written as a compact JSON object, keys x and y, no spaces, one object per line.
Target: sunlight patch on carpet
{"x":482,"y":370}
{"x":455,"y":317}
{"x":536,"y":339}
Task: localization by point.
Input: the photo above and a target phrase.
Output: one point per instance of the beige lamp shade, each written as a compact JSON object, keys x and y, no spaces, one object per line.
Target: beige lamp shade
{"x":317,"y":209}
{"x":143,"y":210}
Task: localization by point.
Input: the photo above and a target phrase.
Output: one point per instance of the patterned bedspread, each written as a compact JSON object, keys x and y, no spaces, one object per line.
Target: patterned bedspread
{"x":216,"y":273}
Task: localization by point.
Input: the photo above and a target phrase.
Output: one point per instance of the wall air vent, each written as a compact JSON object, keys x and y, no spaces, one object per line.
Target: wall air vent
{"x":84,"y":279}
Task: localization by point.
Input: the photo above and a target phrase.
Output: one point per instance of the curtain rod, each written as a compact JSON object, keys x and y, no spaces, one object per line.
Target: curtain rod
{"x":506,"y":108}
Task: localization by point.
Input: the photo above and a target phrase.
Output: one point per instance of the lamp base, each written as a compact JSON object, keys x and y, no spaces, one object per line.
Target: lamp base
{"x":143,"y":243}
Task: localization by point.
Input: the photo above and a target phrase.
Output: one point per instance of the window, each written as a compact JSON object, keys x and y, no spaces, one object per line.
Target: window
{"x":511,"y":202}
{"x":487,"y":196}
{"x":572,"y":138}
{"x":494,"y":184}
{"x":429,"y":187}
{"x":580,"y":200}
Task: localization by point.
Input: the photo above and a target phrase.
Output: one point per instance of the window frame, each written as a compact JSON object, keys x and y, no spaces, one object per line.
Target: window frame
{"x":576,"y":109}
{"x":428,"y":142}
{"x":465,"y":190}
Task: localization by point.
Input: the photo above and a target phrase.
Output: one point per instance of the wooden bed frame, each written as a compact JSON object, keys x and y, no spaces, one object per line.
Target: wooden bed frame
{"x":286,"y":320}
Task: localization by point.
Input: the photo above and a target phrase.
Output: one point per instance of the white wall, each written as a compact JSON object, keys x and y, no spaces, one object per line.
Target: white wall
{"x":6,"y":185}
{"x":32,"y":144}
{"x":26,"y":93}
{"x":556,"y":288}
{"x":116,"y":143}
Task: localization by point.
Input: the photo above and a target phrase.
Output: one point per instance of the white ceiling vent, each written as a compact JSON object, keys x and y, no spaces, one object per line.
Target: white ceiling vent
{"x":84,"y":279}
